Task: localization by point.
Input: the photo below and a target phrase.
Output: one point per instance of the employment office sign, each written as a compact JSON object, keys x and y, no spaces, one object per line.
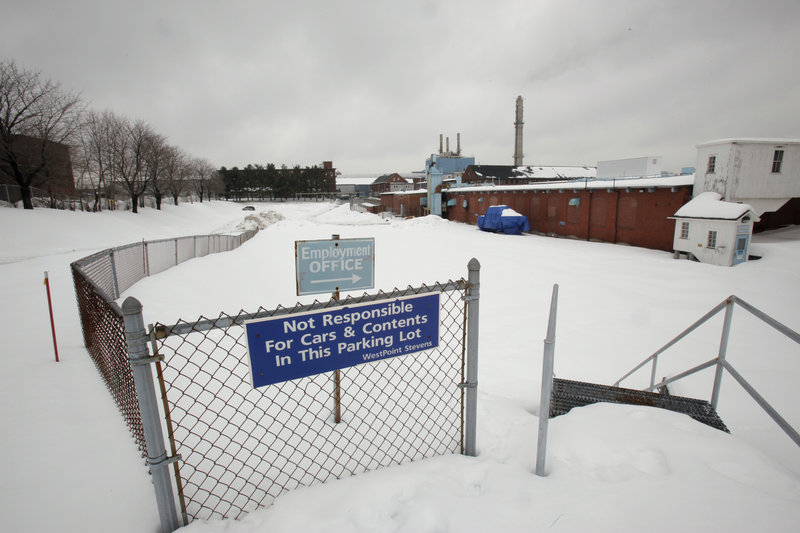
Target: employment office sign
{"x":305,"y":344}
{"x":335,"y":264}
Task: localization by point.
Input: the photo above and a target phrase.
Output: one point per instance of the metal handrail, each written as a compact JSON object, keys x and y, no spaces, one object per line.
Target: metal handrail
{"x":720,"y":362}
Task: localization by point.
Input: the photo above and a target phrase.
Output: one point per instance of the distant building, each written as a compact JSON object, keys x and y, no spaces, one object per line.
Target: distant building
{"x":637,"y":167}
{"x":354,"y":185}
{"x":511,"y":175}
{"x":763,"y":173}
{"x":449,"y":163}
{"x":330,"y":175}
{"x":56,"y":176}
{"x":389,"y":183}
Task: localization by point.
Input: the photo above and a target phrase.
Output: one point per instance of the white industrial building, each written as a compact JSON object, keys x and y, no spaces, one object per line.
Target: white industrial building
{"x":637,"y":167}
{"x":714,"y":231}
{"x":764,"y":173}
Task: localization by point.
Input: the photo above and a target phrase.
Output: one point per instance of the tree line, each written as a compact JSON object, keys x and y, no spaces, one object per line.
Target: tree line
{"x":111,"y":154}
{"x":269,"y":181}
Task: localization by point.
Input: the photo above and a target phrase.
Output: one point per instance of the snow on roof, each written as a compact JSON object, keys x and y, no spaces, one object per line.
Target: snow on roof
{"x":618,"y":183}
{"x":532,"y":172}
{"x":358,"y":179}
{"x":710,"y":205}
{"x":556,"y":172}
{"x":749,"y":140}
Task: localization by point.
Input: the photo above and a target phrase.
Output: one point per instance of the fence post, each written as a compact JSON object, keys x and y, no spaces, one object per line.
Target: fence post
{"x":723,"y":349}
{"x":145,"y":259}
{"x":471,"y":379}
{"x":114,"y":275}
{"x":140,"y":359}
{"x":547,"y":383}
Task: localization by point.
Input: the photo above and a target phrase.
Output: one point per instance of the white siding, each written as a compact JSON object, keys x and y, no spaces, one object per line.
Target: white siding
{"x":697,"y":243}
{"x":630,"y":168}
{"x":744,"y":171}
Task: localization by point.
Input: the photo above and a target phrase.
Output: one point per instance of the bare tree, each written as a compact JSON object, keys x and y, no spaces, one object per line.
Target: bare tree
{"x":93,"y":155}
{"x":129,"y":154}
{"x":39,"y":110}
{"x":156,"y":161}
{"x":177,"y":169}
{"x":203,"y":173}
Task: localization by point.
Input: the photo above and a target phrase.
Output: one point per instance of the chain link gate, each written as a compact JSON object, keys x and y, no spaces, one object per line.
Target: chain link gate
{"x":242,"y":447}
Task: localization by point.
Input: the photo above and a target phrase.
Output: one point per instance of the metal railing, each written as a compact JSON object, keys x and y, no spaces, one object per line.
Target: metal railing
{"x":721,"y":363}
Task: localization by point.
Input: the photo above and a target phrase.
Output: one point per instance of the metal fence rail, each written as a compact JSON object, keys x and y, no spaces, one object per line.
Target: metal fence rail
{"x":100,"y":279}
{"x":720,"y":361}
{"x":242,"y":447}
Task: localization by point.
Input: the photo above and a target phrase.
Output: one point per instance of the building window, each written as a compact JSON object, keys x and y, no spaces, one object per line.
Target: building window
{"x":712,"y":239}
{"x":684,"y":230}
{"x":777,"y":161}
{"x":712,"y":164}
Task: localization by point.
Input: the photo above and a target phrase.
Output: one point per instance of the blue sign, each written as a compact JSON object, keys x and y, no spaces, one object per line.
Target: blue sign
{"x":305,"y":344}
{"x":336,"y":264}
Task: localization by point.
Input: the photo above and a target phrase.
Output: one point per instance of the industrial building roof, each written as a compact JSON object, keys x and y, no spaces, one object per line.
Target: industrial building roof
{"x":510,"y":172}
{"x":709,"y":204}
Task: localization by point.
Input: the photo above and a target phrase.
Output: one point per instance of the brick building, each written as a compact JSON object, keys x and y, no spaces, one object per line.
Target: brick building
{"x":389,"y":183}
{"x":634,"y":211}
{"x":56,"y":175}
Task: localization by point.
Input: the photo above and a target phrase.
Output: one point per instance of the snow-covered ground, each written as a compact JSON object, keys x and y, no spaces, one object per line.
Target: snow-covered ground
{"x":71,"y":465}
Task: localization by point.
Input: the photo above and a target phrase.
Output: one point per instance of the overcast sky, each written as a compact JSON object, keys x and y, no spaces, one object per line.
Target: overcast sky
{"x":370,"y":85}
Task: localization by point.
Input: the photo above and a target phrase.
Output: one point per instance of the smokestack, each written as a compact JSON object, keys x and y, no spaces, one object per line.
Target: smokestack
{"x":448,"y":144}
{"x":518,"y":134}
{"x":440,"y":142}
{"x":458,"y":144}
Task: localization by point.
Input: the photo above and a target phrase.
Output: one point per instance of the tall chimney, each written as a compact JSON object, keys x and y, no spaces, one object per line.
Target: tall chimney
{"x":518,"y":134}
{"x":441,"y":135}
{"x":458,"y":144}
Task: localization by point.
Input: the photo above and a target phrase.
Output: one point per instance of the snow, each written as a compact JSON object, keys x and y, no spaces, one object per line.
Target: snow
{"x":555,"y":172}
{"x":618,"y":183}
{"x":71,"y":465}
{"x":749,"y":140}
{"x":709,"y":204}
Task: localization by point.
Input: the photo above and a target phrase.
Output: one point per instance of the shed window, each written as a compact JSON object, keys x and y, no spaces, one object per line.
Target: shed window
{"x":684,"y":230}
{"x":712,"y":239}
{"x":777,"y":161}
{"x":712,"y":164}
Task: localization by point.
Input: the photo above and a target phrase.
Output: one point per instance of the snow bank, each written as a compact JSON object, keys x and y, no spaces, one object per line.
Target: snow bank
{"x":610,"y":467}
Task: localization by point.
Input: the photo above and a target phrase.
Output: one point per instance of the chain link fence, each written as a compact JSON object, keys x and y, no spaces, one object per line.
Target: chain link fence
{"x":241,"y":447}
{"x":101,"y":278}
{"x":235,"y":448}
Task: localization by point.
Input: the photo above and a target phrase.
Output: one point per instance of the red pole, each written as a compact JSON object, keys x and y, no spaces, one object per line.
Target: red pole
{"x":50,"y":305}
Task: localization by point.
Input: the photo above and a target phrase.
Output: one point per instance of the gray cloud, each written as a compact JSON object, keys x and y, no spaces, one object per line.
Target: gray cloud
{"x":370,"y":85}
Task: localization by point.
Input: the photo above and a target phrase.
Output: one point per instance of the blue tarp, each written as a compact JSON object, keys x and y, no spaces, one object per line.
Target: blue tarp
{"x":510,"y":224}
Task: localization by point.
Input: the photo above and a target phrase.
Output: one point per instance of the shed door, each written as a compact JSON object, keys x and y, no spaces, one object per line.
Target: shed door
{"x":740,"y":253}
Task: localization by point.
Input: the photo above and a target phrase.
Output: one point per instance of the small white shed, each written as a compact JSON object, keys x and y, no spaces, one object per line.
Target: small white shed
{"x":714,"y":231}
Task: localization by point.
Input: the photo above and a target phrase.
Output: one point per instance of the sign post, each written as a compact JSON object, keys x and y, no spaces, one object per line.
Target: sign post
{"x":304,"y":344}
{"x":337,"y":374}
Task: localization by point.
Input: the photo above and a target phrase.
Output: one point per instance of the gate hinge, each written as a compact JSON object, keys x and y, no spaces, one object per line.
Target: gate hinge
{"x":166,"y":461}
{"x":157,"y":358}
{"x":473,"y":385}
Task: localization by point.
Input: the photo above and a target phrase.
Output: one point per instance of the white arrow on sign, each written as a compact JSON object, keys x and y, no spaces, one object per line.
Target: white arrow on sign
{"x":352,"y":279}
